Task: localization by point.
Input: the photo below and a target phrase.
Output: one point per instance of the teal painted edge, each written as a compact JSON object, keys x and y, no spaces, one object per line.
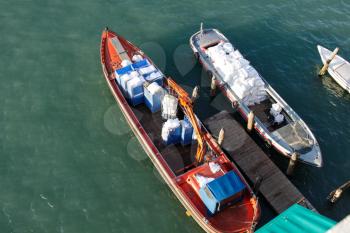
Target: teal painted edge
{"x":298,"y":219}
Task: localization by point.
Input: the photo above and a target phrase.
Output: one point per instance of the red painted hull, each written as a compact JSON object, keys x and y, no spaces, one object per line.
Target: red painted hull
{"x":240,"y":217}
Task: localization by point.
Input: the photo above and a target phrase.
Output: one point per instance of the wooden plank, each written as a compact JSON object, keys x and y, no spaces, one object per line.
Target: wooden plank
{"x":253,"y":162}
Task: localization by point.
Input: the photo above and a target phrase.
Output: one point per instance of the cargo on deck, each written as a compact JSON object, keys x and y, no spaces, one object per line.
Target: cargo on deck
{"x":161,"y":116}
{"x":249,"y":92}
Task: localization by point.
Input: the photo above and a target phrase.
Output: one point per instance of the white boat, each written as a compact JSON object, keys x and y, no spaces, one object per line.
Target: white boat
{"x":339,"y":68}
{"x":291,"y":134}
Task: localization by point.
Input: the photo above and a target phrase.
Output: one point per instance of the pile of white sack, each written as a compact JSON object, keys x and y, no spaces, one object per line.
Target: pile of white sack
{"x":169,"y":126}
{"x":242,"y":78}
{"x":169,"y":107}
{"x":275,"y":111}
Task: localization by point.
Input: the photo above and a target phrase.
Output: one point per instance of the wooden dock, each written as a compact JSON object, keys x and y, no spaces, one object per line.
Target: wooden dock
{"x":278,"y":191}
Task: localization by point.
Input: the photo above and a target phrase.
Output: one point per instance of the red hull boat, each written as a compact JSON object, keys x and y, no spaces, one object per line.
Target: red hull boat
{"x":224,"y":202}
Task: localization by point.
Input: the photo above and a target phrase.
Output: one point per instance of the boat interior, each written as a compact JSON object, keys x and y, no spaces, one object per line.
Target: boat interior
{"x":180,"y":158}
{"x":262,"y":111}
{"x":288,"y":130}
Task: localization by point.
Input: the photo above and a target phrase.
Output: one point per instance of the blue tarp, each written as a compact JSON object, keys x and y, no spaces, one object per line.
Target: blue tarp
{"x":226,"y":186}
{"x":222,"y":188}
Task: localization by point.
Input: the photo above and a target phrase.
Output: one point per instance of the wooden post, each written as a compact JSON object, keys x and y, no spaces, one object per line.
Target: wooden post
{"x":221,"y":136}
{"x":292,"y":163}
{"x":250,"y":123}
{"x":336,"y":194}
{"x":195,"y":94}
{"x":326,"y":65}
{"x":258,"y":181}
{"x":213,"y":86}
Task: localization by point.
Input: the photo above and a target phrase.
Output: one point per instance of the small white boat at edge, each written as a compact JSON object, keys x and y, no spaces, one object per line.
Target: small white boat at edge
{"x":339,"y":68}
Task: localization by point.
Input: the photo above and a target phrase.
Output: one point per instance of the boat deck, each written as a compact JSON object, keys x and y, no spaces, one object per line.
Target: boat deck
{"x":152,"y":123}
{"x":262,"y":111}
{"x":279,"y":192}
{"x":183,"y":169}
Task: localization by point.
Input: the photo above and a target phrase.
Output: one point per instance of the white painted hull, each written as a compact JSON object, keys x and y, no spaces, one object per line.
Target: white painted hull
{"x":312,"y":157}
{"x":339,"y":68}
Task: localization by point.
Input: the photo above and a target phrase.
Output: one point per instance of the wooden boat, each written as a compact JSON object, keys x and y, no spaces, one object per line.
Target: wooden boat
{"x":290,"y":136}
{"x":339,"y":68}
{"x":180,"y":166}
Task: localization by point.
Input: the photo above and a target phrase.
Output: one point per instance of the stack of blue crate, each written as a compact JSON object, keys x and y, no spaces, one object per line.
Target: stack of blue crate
{"x":186,"y":132}
{"x":153,"y":95}
{"x":133,"y":88}
{"x":122,"y":72}
{"x":171,"y":132}
{"x":148,"y":71}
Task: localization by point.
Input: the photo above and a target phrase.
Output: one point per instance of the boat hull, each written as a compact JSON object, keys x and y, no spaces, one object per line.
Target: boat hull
{"x":344,"y":82}
{"x":151,"y":150}
{"x":312,"y":157}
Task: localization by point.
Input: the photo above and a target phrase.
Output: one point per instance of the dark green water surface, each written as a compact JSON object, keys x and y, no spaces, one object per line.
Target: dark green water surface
{"x":68,"y":161}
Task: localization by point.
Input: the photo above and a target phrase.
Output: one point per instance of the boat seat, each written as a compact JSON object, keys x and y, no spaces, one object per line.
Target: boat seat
{"x":119,"y":47}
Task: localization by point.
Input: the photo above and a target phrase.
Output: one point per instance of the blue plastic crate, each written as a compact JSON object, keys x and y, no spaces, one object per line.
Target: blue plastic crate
{"x":136,"y":89}
{"x":123,"y":83}
{"x":137,"y":99}
{"x":155,"y":77}
{"x":123,"y":70}
{"x":174,"y":136}
{"x":186,"y":132}
{"x":194,"y":133}
{"x":153,"y":101}
{"x":139,"y":64}
{"x":222,"y":191}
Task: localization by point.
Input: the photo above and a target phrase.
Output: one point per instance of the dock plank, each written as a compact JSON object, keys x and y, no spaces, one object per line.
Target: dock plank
{"x":253,"y":162}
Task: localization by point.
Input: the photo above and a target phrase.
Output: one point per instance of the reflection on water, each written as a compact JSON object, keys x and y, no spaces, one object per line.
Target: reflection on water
{"x":334,"y":88}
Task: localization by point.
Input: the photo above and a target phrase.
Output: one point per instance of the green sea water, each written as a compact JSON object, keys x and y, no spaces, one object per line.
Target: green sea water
{"x":68,"y":161}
